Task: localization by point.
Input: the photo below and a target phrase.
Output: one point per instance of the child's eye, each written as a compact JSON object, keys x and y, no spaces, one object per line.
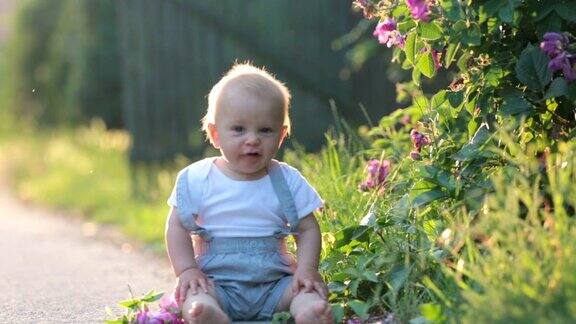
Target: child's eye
{"x":266,"y":130}
{"x":238,"y":129}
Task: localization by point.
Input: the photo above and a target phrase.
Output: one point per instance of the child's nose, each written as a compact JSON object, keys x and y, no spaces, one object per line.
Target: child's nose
{"x":252,"y":139}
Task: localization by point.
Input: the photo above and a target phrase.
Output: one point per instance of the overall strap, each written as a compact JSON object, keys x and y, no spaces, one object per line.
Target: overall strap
{"x":189,"y":197}
{"x":286,"y":199}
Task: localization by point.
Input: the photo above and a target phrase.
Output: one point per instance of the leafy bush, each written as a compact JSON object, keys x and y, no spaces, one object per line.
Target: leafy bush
{"x":418,"y":244}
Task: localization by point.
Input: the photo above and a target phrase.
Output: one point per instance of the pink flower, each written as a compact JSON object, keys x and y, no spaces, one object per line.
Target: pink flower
{"x":168,"y":303}
{"x":562,"y":62}
{"x":169,"y":313}
{"x":161,"y":317}
{"x":377,"y":173}
{"x":415,"y":155}
{"x":387,"y":33}
{"x":553,"y":44}
{"x":354,"y":320}
{"x":419,"y":139}
{"x":142,"y":317}
{"x":406,"y":120}
{"x":419,"y":9}
{"x":568,"y":71}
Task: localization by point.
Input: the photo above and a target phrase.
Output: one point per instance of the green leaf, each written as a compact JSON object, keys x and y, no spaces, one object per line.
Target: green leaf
{"x":352,"y":233}
{"x":432,"y":312}
{"x":426,"y":64}
{"x":494,"y":75}
{"x":400,"y":210}
{"x":513,"y":104}
{"x":427,"y":197}
{"x":405,"y":26}
{"x":526,"y":137}
{"x":472,"y":148}
{"x":455,"y":98}
{"x":421,"y":102}
{"x":506,"y":13}
{"x":557,"y":88}
{"x":281,"y":317}
{"x":552,"y":23}
{"x":472,"y":35}
{"x":340,"y":276}
{"x":453,"y":10}
{"x":416,"y":76}
{"x":532,"y":68}
{"x":398,"y":277}
{"x":429,"y":31}
{"x":492,"y":6}
{"x":438,"y":100}
{"x":410,"y":47}
{"x":467,"y":33}
{"x":360,"y":308}
{"x":152,"y":296}
{"x":370,"y":276}
{"x":473,"y":126}
{"x":446,"y":180}
{"x":571,"y":91}
{"x":337,"y":313}
{"x":566,"y":11}
{"x":462,"y":62}
{"x":438,"y":176}
{"x":353,"y":287}
{"x":450,"y":54}
{"x":542,"y":10}
{"x":130,"y":303}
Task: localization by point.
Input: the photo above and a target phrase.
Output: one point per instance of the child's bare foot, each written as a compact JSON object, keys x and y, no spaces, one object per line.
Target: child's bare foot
{"x":204,"y":313}
{"x":318,"y":312}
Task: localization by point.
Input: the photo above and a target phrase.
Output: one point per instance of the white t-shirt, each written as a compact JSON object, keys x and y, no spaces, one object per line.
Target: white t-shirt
{"x":249,"y":208}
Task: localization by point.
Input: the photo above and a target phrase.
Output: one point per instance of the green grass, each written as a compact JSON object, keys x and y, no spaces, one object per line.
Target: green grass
{"x":85,"y":171}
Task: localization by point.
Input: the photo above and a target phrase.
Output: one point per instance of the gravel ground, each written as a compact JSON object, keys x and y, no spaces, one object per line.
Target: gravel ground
{"x":57,"y":269}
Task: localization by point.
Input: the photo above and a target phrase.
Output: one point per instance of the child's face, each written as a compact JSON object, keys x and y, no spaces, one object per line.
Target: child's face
{"x":248,"y":131}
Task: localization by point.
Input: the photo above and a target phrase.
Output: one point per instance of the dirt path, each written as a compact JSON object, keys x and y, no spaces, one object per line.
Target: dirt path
{"x":55,"y":269}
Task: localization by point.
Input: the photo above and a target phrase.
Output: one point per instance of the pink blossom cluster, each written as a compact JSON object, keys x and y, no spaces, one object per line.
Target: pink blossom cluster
{"x":419,"y":9}
{"x":387,"y":33}
{"x":554,"y":45}
{"x":419,"y":140}
{"x":377,"y":173}
{"x":169,"y":313}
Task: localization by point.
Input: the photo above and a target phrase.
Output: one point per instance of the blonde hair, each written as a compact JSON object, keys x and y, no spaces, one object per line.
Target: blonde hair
{"x":254,"y":80}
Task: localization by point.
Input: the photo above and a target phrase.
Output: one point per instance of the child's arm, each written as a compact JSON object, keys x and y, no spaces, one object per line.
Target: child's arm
{"x":181,"y":254}
{"x":309,"y":243}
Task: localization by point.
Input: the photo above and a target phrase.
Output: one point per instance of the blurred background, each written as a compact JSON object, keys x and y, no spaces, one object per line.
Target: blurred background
{"x":146,"y":65}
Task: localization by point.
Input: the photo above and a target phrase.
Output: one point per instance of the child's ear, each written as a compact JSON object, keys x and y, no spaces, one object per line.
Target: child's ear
{"x":283,"y":134}
{"x":214,"y":138}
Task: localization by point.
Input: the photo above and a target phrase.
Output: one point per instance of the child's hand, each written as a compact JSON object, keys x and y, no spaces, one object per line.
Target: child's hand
{"x":191,"y":278}
{"x":309,"y":280}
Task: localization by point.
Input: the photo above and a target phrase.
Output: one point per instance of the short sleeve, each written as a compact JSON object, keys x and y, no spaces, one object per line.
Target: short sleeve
{"x":186,"y":200}
{"x":306,"y":199}
{"x":172,"y":201}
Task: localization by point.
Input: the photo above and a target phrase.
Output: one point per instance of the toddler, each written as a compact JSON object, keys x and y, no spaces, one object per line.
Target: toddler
{"x":239,"y":207}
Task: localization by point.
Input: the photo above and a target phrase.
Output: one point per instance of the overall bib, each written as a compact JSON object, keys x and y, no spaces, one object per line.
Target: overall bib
{"x":250,"y":274}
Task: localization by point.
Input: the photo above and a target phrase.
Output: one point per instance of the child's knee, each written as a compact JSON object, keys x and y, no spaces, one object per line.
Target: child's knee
{"x":200,"y":296}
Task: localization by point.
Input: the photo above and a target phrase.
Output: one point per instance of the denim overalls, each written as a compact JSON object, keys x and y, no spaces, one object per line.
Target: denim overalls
{"x":250,"y":274}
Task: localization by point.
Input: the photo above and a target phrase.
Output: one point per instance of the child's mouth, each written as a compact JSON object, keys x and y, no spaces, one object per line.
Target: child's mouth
{"x":253,"y":154}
